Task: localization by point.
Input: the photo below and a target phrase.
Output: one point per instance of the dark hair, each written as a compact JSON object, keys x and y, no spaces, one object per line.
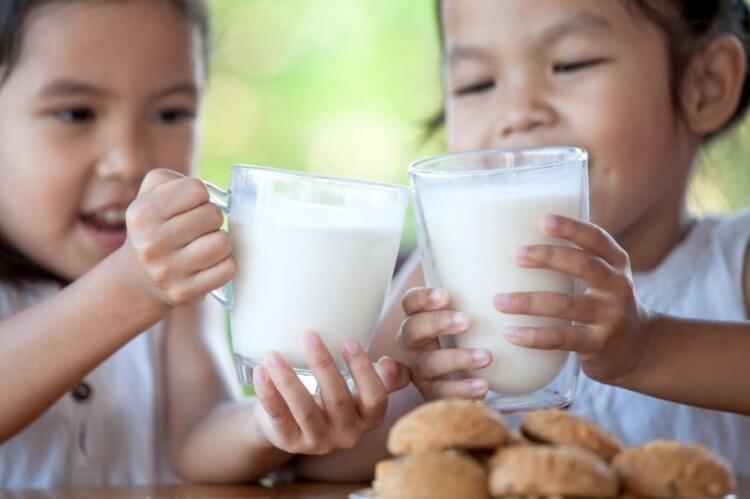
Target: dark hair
{"x":689,"y":25}
{"x":15,"y":266}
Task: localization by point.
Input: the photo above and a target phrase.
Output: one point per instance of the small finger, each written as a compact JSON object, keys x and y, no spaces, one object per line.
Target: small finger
{"x":424,"y":299}
{"x":580,"y":308}
{"x":157,"y":177}
{"x":592,"y":270}
{"x":337,"y":400}
{"x":587,"y":236}
{"x":421,"y":329}
{"x":445,"y":361}
{"x":575,"y":338}
{"x":393,"y":374}
{"x":302,"y":405}
{"x":199,"y":284}
{"x":373,"y":397}
{"x":203,"y":253}
{"x":190,"y":225}
{"x":472,"y":388}
{"x":272,"y":402}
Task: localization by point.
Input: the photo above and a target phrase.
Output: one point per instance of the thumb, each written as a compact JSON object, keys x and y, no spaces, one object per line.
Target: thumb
{"x":393,"y":374}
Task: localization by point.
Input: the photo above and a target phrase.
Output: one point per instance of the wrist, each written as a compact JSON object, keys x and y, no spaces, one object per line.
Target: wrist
{"x":639,"y":350}
{"x":131,"y":286}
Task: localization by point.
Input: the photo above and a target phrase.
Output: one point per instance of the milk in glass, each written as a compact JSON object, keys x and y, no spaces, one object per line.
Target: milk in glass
{"x":475,"y":234}
{"x":308,"y":266}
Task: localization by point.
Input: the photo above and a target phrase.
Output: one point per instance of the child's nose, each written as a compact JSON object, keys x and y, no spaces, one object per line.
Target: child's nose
{"x":125,"y":159}
{"x":522,"y":110}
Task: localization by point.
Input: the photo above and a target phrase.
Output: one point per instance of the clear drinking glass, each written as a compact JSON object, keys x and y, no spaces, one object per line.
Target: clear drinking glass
{"x":312,"y":252}
{"x":475,"y":210}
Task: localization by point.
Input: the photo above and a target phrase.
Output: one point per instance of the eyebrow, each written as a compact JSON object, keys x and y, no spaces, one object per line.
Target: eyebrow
{"x":186,"y":88}
{"x":458,"y":51}
{"x":584,"y":21}
{"x":64,"y":87}
{"x":67,"y":88}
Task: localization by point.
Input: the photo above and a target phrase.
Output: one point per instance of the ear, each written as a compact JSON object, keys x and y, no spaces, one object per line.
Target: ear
{"x":712,"y":84}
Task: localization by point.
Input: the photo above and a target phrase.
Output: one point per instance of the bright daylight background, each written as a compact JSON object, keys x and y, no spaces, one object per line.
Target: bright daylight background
{"x":343,"y":87}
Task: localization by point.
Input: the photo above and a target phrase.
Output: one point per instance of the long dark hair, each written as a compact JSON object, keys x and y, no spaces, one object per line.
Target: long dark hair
{"x":15,"y":266}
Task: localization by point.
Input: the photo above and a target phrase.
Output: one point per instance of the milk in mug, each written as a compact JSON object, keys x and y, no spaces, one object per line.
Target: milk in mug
{"x":308,"y":266}
{"x":474,"y":235}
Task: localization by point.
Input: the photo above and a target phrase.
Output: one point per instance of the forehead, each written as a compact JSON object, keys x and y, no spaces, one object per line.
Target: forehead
{"x":124,"y":41}
{"x":478,"y":21}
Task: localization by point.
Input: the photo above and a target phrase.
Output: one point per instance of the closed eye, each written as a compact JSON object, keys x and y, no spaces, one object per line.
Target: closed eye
{"x":75,"y":115}
{"x":174,"y":115}
{"x":574,"y":66}
{"x":482,"y":86}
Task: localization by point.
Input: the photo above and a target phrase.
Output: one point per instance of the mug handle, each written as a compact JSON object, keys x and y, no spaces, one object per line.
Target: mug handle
{"x":221,"y":198}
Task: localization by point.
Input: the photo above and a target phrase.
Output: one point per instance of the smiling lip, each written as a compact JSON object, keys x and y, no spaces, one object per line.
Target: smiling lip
{"x":106,"y":227}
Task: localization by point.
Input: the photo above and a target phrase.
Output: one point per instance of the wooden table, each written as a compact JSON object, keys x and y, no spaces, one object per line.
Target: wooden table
{"x":296,"y":491}
{"x":292,"y":491}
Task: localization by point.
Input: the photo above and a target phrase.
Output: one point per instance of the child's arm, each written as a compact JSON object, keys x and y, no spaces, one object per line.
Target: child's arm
{"x":48,"y":348}
{"x":620,"y":343}
{"x":695,"y":362}
{"x":212,"y":432}
{"x":217,"y":438}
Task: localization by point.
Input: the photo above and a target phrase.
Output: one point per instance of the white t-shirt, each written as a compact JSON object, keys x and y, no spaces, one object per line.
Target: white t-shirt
{"x":110,"y":431}
{"x":700,"y":279}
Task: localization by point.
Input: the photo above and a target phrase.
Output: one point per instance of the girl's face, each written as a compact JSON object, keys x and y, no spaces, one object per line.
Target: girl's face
{"x":590,"y":73}
{"x":102,"y":92}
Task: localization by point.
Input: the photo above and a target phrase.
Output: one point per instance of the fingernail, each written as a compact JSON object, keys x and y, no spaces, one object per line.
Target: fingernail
{"x":437,"y":295}
{"x":352,"y":347}
{"x":550,"y":223}
{"x":502,"y":299}
{"x":312,"y":339}
{"x":261,"y":376}
{"x":513,"y":333}
{"x":274,"y":359}
{"x":481,"y":357}
{"x":479,"y":386}
{"x":460,"y":320}
{"x":523,"y":253}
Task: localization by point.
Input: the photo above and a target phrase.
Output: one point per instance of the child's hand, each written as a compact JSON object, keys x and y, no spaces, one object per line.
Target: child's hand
{"x":428,"y":318}
{"x":295,"y":422}
{"x":610,"y":333}
{"x":175,"y":238}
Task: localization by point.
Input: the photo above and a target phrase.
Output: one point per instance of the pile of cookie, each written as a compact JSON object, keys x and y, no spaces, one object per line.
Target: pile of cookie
{"x":461,"y":449}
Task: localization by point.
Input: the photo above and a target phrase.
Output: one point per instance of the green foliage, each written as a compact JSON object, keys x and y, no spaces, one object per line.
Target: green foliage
{"x":344,"y":87}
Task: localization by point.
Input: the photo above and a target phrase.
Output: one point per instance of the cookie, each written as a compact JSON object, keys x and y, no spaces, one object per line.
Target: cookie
{"x":551,"y":471}
{"x":564,"y":428}
{"x":431,"y":475}
{"x":672,"y":469}
{"x":445,"y":424}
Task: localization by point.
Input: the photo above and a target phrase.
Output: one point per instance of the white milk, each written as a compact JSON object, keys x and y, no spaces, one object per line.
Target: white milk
{"x":475,"y":235}
{"x":307,"y":266}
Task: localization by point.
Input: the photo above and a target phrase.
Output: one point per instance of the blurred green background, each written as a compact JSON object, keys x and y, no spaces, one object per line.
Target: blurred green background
{"x":344,"y":87}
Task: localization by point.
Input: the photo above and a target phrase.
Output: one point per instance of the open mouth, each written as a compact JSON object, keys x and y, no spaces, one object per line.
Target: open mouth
{"x":106,"y":226}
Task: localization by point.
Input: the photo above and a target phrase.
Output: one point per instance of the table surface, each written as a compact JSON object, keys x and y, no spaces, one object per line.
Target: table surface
{"x":293,"y":491}
{"x":290,"y":491}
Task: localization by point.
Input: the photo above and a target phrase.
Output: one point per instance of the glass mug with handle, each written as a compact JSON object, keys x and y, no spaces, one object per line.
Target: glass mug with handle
{"x":475,"y":210}
{"x":312,"y":252}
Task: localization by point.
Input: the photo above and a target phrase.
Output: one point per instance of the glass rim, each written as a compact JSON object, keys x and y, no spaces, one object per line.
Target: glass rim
{"x":566,"y":154}
{"x":315,"y":177}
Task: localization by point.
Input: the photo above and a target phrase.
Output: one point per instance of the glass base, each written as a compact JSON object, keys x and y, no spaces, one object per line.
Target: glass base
{"x":543,"y":399}
{"x":246,"y":366}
